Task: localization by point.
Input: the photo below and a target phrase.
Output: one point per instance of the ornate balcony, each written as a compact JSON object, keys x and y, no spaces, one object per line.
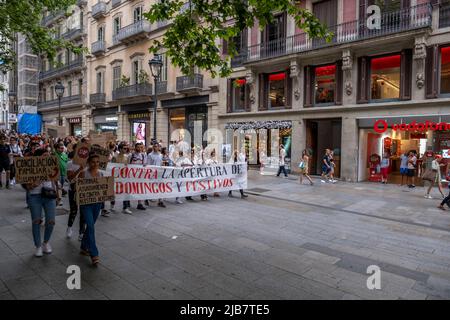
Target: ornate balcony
{"x":74,"y":66}
{"x":161,"y":87}
{"x":99,"y":10}
{"x":393,"y":22}
{"x":116,"y":3}
{"x":444,"y":15}
{"x":133,"y":32}
{"x":52,"y":17}
{"x":133,"y":91}
{"x":66,"y":102}
{"x":73,"y":34}
{"x":98,"y":48}
{"x":97,"y":98}
{"x":190,"y":83}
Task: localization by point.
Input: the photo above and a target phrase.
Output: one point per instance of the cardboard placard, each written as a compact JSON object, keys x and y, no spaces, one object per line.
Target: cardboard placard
{"x":36,"y":169}
{"x":103,"y":155}
{"x":101,"y":139}
{"x":82,"y":154}
{"x":95,"y":190}
{"x":55,"y":131}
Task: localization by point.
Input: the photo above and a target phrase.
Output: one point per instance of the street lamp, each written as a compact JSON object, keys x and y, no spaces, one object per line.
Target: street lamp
{"x":59,"y":90}
{"x":155,"y":67}
{"x":12,"y":106}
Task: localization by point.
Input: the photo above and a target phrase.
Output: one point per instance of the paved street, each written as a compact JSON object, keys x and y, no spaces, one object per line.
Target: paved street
{"x":285,"y":241}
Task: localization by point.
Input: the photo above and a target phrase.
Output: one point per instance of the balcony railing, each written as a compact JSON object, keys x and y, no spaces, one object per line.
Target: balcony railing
{"x":52,"y":17}
{"x":116,"y":3}
{"x":444,"y":15}
{"x":72,"y":34}
{"x":97,"y":98}
{"x":59,"y":71}
{"x":98,"y":47}
{"x":65,"y":102}
{"x":161,"y":87}
{"x":133,"y":91}
{"x":187,"y":83}
{"x":391,"y":23}
{"x":135,"y":31}
{"x":99,"y":10}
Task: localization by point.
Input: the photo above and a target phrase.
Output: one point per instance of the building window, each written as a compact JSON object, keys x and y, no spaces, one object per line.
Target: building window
{"x":445,"y":71}
{"x":165,"y":67}
{"x":325,"y":84}
{"x":117,"y":73}
{"x":80,"y":87}
{"x":116,"y":25}
{"x":99,"y":82}
{"x":385,"y":77}
{"x":238,"y":94}
{"x":69,"y":88}
{"x":52,"y":93}
{"x":135,"y":71}
{"x":101,"y":34}
{"x":277,"y":90}
{"x":44,"y":95}
{"x":137,"y":14}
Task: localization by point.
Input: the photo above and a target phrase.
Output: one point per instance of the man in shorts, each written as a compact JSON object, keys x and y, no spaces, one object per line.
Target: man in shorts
{"x":404,"y":167}
{"x":326,"y":166}
{"x":412,"y":160}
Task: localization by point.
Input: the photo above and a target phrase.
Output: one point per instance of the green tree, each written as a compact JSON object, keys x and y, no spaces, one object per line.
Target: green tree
{"x":191,"y":40}
{"x":25,"y":16}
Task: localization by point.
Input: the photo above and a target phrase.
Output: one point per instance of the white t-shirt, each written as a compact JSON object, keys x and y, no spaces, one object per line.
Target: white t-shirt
{"x":154,"y":159}
{"x":38,"y":189}
{"x":282,"y":156}
{"x":183,"y":162}
{"x":411,"y":165}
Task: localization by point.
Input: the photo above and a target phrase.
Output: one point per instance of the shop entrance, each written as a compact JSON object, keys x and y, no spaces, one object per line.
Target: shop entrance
{"x":189,"y":125}
{"x":323,"y":134}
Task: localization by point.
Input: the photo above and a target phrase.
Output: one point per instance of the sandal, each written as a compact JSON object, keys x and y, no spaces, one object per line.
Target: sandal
{"x":95,"y":261}
{"x":84,"y":253}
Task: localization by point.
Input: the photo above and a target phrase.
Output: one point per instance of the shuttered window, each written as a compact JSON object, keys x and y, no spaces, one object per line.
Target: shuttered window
{"x":323,"y":85}
{"x":117,"y":73}
{"x":238,"y":95}
{"x":444,"y":83}
{"x":275,"y":90}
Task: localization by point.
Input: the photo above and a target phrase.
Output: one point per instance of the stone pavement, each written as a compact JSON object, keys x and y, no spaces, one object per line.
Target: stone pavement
{"x":285,"y":241}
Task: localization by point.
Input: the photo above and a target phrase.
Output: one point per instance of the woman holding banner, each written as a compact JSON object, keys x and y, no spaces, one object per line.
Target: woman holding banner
{"x":91,"y":212}
{"x":42,"y":195}
{"x":237,"y":158}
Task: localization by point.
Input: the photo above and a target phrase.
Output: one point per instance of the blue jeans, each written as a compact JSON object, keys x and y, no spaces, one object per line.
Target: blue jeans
{"x":90,"y":214}
{"x":281,"y":168}
{"x":36,"y":204}
{"x":62,"y":179}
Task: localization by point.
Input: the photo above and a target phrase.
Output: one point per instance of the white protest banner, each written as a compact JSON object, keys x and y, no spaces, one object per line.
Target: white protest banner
{"x":36,"y":169}
{"x":137,"y":182}
{"x":95,"y":190}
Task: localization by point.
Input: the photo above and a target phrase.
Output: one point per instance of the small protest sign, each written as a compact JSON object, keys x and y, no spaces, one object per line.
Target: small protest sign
{"x":55,"y":131}
{"x":103,"y":155}
{"x":81,"y":154}
{"x":95,"y":190}
{"x":36,"y":169}
{"x":101,"y":139}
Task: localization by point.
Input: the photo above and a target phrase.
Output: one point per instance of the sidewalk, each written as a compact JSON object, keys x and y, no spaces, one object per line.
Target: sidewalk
{"x":389,"y":202}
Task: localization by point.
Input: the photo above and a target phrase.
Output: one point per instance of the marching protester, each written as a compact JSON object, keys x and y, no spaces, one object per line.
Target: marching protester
{"x":62,"y":159}
{"x":73,"y":172}
{"x":154,"y":158}
{"x":123,"y":157}
{"x":139,"y":157}
{"x":16,"y":152}
{"x":237,"y":158}
{"x":304,"y":167}
{"x":91,"y":212}
{"x":5,"y":151}
{"x":42,"y":196}
{"x":211,"y":161}
{"x":183,"y":161}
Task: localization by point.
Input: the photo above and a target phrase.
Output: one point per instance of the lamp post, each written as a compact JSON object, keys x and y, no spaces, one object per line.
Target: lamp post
{"x":59,"y":90}
{"x":12,"y":107}
{"x":155,"y":67}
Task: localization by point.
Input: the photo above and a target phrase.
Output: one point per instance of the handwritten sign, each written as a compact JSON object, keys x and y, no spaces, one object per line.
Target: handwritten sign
{"x":36,"y":169}
{"x":82,"y":154}
{"x":95,"y":190}
{"x":55,"y":131}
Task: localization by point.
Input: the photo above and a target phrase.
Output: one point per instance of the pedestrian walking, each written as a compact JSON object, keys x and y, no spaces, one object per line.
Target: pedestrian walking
{"x":304,"y":167}
{"x":326,"y":166}
{"x":91,"y":212}
{"x":154,"y":158}
{"x":237,"y":158}
{"x":281,"y":166}
{"x":5,"y":164}
{"x":42,"y":196}
{"x":73,"y":171}
{"x":123,"y":157}
{"x":433,"y":175}
{"x":183,"y":161}
{"x":62,"y":160}
{"x":16,"y":152}
{"x":384,"y":167}
{"x":139,"y":157}
{"x":332,"y":166}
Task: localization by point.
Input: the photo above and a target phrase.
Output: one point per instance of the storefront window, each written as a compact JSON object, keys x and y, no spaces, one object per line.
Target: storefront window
{"x":238,"y":94}
{"x":385,"y":77}
{"x":106,"y":127}
{"x":325,"y":84}
{"x":177,"y":121}
{"x":445,"y":70}
{"x":277,"y":90}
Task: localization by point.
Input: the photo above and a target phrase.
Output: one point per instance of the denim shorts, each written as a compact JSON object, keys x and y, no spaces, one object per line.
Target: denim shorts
{"x":403,"y":171}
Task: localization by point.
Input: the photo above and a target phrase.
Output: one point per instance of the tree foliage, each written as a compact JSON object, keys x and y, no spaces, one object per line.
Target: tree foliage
{"x":198,"y":25}
{"x":25,"y":16}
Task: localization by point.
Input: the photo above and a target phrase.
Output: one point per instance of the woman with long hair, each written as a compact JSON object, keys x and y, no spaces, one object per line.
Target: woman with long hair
{"x":304,"y":167}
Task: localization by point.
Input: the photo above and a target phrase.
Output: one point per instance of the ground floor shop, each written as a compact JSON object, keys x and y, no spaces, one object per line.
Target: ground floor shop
{"x":105,"y":120}
{"x":73,"y":120}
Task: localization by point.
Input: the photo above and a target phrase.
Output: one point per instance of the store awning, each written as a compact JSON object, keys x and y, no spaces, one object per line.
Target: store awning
{"x":370,"y":122}
{"x":270,"y":124}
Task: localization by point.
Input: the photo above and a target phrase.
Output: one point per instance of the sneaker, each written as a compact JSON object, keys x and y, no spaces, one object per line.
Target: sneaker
{"x":413,"y":186}
{"x":427,"y":196}
{"x":112,"y":208}
{"x":140,"y":207}
{"x":38,"y":252}
{"x":47,"y":248}
{"x":190,"y":199}
{"x":60,"y":203}
{"x":105,"y":213}
{"x":69,"y":233}
{"x":205,"y":199}
{"x":334,"y":181}
{"x":127,"y":211}
{"x":147,"y":203}
{"x":161,"y":204}
{"x":80,"y":237}
{"x":8,"y":187}
{"x":244,"y":195}
{"x":178,"y":201}
{"x":321,"y":180}
{"x":230,"y":195}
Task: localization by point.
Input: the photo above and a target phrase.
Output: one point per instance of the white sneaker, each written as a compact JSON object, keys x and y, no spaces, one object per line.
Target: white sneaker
{"x":69,"y":232}
{"x":113,"y":209}
{"x":47,"y":248}
{"x":321,"y":180}
{"x":127,"y":211}
{"x":333,"y":181}
{"x":38,"y":252}
{"x":60,"y":203}
{"x":80,"y":237}
{"x":428,"y":196}
{"x":178,"y":201}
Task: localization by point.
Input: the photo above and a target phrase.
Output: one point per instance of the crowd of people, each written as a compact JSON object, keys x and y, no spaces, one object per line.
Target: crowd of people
{"x":43,"y":198}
